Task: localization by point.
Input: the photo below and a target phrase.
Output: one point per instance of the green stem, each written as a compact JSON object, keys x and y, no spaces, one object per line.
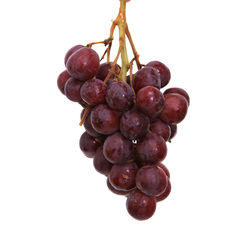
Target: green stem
{"x":122,"y":24}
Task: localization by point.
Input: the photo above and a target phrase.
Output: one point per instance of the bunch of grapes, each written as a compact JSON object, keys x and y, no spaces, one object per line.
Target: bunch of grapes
{"x":127,"y":124}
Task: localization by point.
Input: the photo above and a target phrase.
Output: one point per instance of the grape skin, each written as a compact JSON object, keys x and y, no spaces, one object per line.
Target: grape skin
{"x":104,"y":70}
{"x":177,"y":91}
{"x":161,"y":128}
{"x":115,"y":191}
{"x":72,"y":89}
{"x":71,"y":51}
{"x":62,"y":79}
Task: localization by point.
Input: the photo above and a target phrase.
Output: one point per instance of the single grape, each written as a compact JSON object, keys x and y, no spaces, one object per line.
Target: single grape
{"x":72,"y":89}
{"x":147,"y":76}
{"x":89,"y":144}
{"x":100,"y":163}
{"x":173,"y":128}
{"x":151,"y":180}
{"x":140,"y":206}
{"x":62,"y":79}
{"x":105,"y":120}
{"x":83,"y":64}
{"x":134,"y":125}
{"x":177,"y":91}
{"x":164,"y":168}
{"x":150,"y":101}
{"x":117,"y":149}
{"x":161,"y":128}
{"x":104,"y":70}
{"x":93,"y":92}
{"x":164,"y":71}
{"x":119,"y":96}
{"x":122,"y":177}
{"x":88,"y":126}
{"x":115,"y":191}
{"x":151,"y":149}
{"x":175,"y":108}
{"x":165,"y":194}
{"x":71,"y":51}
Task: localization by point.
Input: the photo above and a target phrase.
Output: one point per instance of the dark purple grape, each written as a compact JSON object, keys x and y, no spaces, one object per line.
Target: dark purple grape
{"x":173,"y":128}
{"x":134,"y":125}
{"x":161,"y":128}
{"x":164,"y":168}
{"x":151,"y":149}
{"x":151,"y":180}
{"x":104,"y":70}
{"x":71,"y":51}
{"x":62,"y":79}
{"x":128,"y":79}
{"x":164,"y":71}
{"x":104,"y":120}
{"x":175,"y":108}
{"x":119,"y":96}
{"x":88,"y":126}
{"x":83,"y":64}
{"x":115,"y":191}
{"x":117,"y":149}
{"x":93,"y":92}
{"x":140,"y":206}
{"x":150,"y":101}
{"x":72,"y":89}
{"x":147,"y":76}
{"x":122,"y":177}
{"x":165,"y":194}
{"x":89,"y":144}
{"x":100,"y":163}
{"x":177,"y":91}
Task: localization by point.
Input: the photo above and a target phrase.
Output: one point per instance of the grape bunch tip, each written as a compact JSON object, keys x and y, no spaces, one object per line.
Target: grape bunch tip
{"x":127,"y":119}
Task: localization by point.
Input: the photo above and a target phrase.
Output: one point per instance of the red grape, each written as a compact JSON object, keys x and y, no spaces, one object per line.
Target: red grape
{"x":173,"y":128}
{"x":151,"y":180}
{"x":88,"y":126}
{"x":117,"y":149}
{"x":104,"y":70}
{"x":105,"y":120}
{"x":115,"y":191}
{"x":164,"y":71}
{"x":119,"y":96}
{"x":122,"y":177}
{"x":150,"y":101}
{"x":72,"y":89}
{"x":83,"y":64}
{"x":165,"y":194}
{"x":100,"y":163}
{"x":147,"y":76}
{"x":140,"y":206}
{"x":93,"y":91}
{"x":134,"y":125}
{"x":177,"y":91}
{"x":161,"y":128}
{"x":175,"y":108}
{"x":89,"y":144}
{"x":62,"y":79}
{"x":151,"y":149}
{"x":71,"y":51}
{"x":164,"y":168}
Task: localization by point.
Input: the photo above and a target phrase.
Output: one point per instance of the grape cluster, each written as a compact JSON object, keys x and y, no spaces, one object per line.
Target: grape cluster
{"x":127,"y":125}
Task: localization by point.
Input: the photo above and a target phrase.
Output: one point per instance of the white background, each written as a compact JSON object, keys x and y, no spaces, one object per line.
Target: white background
{"x":50,"y":195}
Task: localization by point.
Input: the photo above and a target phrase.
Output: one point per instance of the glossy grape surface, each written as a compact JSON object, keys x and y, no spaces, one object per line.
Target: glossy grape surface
{"x":89,"y":144}
{"x":88,"y":126}
{"x":83,"y":64}
{"x":71,"y":51}
{"x":100,"y":163}
{"x":177,"y":91}
{"x":62,"y":79}
{"x":93,"y":92}
{"x":164,"y":168}
{"x":175,"y":109}
{"x":104,"y":120}
{"x":151,"y":149}
{"x":122,"y":177}
{"x":150,"y":101}
{"x":173,"y":131}
{"x":134,"y":124}
{"x":165,"y":194}
{"x":147,"y":76}
{"x":115,"y":191}
{"x":119,"y":96}
{"x":117,"y":149}
{"x":164,"y":71}
{"x":140,"y":206}
{"x":72,"y":89}
{"x":161,"y":128}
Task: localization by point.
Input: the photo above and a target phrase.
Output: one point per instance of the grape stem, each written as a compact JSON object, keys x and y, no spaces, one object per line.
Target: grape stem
{"x":105,"y":42}
{"x":84,"y":115}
